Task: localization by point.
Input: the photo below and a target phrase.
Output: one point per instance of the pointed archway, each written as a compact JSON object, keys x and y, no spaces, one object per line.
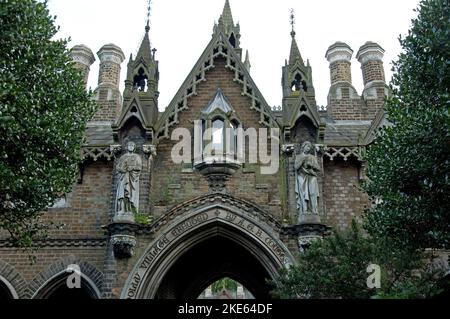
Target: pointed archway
{"x":219,"y":252}
{"x":222,"y":237}
{"x":56,"y":288}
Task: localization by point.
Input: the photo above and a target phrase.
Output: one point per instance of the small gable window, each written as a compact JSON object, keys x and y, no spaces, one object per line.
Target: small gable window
{"x":217,"y":135}
{"x":219,"y":130}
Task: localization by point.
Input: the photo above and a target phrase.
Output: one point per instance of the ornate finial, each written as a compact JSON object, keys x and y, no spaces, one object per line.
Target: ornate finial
{"x":149,"y":7}
{"x":292,"y":21}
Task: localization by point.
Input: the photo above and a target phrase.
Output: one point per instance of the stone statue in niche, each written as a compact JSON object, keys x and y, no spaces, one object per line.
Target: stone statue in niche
{"x":128,"y":170}
{"x":306,"y":185}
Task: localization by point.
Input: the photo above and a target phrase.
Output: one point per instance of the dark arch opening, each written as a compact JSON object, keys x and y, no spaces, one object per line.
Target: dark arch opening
{"x":140,"y":81}
{"x":233,"y":40}
{"x":133,"y":130}
{"x":303,"y":130}
{"x":209,"y":261}
{"x":5,"y":292}
{"x":57,"y":289}
{"x":299,"y":84}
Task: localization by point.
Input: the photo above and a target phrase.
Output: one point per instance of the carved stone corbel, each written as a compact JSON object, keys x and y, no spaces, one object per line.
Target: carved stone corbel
{"x":123,"y":245}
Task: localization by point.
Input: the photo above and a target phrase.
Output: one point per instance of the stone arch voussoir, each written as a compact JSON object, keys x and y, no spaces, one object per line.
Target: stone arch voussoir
{"x":88,"y":272}
{"x":13,"y":280}
{"x":190,"y":222}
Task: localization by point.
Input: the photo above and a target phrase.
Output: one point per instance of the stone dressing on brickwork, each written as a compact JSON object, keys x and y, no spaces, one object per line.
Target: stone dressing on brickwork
{"x":139,"y":224}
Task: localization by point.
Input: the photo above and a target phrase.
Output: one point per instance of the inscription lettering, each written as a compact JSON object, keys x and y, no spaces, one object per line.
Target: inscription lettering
{"x":134,"y":285}
{"x":160,"y":245}
{"x":154,"y":252}
{"x":194,"y":221}
{"x":230,"y":217}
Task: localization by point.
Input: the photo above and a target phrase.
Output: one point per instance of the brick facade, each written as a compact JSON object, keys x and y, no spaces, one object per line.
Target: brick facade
{"x":165,"y":187}
{"x":340,"y":71}
{"x":373,"y":71}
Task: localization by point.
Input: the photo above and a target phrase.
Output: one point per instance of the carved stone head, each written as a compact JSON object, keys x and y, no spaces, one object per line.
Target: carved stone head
{"x":307,"y":148}
{"x":131,"y":146}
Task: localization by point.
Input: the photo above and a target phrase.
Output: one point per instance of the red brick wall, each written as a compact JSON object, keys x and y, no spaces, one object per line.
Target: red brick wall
{"x":373,"y":71}
{"x":170,"y":185}
{"x":89,"y":204}
{"x":355,"y":108}
{"x":343,"y":198}
{"x":109,"y":73}
{"x":340,"y":71}
{"x":47,"y":256}
{"x":109,"y":99}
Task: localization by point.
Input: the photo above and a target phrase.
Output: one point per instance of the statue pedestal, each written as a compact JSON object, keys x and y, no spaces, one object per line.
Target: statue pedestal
{"x":124,"y":218}
{"x":123,"y":238}
{"x":217,"y":171}
{"x":123,"y":245}
{"x":309,"y":219}
{"x":307,"y":232}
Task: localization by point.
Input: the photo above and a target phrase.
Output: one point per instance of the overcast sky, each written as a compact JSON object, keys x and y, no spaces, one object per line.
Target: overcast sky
{"x":181,"y":29}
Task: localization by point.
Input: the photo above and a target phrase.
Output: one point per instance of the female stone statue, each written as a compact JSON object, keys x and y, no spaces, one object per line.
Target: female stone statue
{"x":306,"y":186}
{"x":128,"y":171}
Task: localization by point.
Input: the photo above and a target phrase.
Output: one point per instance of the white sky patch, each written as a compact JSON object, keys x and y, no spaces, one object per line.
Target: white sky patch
{"x":180,"y":31}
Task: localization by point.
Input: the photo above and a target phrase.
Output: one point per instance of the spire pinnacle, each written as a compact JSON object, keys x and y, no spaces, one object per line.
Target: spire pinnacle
{"x":149,"y":8}
{"x":227,"y":18}
{"x":295,"y":52}
{"x":145,"y":49}
{"x":247,"y":61}
{"x":292,"y":22}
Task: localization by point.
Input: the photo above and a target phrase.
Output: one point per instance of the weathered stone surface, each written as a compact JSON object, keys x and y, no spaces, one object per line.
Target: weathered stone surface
{"x":178,"y":206}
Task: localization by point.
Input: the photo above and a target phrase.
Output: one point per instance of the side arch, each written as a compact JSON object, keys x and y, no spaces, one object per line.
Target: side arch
{"x":54,"y":277}
{"x":197,"y":235}
{"x":12,"y":281}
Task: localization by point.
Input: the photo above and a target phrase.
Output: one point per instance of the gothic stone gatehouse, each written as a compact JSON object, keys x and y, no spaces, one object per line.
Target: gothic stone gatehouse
{"x":141,"y":225}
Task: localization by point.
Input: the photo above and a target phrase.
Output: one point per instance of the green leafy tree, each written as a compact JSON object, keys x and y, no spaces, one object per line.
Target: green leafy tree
{"x":224,"y":283}
{"x":408,"y":181}
{"x":409,"y":165}
{"x":332,"y":268}
{"x":336,"y":267}
{"x":44,"y":108}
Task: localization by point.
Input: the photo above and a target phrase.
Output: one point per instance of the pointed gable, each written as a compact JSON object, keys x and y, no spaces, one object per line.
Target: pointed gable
{"x":304,"y":109}
{"x":219,"y":46}
{"x":134,"y":108}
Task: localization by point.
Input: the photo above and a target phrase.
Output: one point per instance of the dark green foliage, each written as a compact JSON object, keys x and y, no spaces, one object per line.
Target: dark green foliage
{"x":44,"y":108}
{"x":332,"y":268}
{"x":409,"y":165}
{"x":336,"y":267}
{"x":408,"y":180}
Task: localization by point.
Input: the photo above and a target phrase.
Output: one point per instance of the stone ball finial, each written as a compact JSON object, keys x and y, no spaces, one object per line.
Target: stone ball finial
{"x":370,"y":51}
{"x":82,"y":54}
{"x":339,"y":51}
